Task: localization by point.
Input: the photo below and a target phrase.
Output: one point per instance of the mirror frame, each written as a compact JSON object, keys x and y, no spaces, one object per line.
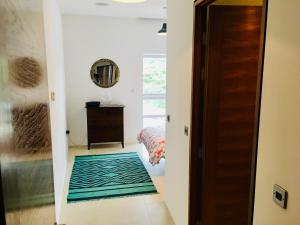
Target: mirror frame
{"x":117,"y":71}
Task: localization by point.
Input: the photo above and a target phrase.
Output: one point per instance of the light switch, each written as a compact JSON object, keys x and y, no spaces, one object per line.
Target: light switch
{"x":52,"y":96}
{"x":280,"y":196}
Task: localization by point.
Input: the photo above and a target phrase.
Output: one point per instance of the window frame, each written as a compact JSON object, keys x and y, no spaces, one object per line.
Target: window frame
{"x":153,"y":96}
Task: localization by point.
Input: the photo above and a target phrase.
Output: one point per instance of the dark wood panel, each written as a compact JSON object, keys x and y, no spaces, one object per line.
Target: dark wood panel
{"x":105,"y":115}
{"x":104,"y":110}
{"x":105,"y":133}
{"x":104,"y":139}
{"x":232,"y":70}
{"x":196,"y":160}
{"x":105,"y":124}
{"x":233,"y":154}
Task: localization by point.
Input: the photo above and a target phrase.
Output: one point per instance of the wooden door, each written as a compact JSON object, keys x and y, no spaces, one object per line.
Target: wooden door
{"x":231,"y":77}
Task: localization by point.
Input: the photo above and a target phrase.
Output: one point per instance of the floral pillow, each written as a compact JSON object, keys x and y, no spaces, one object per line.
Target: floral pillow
{"x":154,"y":140}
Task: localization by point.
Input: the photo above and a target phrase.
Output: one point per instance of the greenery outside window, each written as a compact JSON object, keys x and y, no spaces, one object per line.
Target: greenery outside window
{"x":154,"y":90}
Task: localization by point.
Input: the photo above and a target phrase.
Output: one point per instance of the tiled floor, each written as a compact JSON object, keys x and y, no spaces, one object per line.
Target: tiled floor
{"x":138,"y":210}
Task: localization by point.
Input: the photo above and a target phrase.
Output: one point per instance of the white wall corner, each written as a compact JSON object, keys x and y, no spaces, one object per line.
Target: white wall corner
{"x":56,"y":84}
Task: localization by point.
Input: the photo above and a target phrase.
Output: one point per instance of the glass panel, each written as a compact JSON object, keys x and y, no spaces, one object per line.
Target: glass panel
{"x":154,"y":122}
{"x":154,"y":107}
{"x":25,"y":142}
{"x":154,"y":75}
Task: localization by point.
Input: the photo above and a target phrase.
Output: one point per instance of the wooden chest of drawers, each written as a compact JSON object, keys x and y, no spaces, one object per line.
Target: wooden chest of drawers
{"x":105,"y":124}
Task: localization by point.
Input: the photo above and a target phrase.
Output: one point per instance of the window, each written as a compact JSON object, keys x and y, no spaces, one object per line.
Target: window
{"x":154,"y":90}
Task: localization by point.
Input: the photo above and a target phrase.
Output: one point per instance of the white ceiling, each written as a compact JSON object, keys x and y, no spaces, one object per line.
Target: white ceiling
{"x":152,"y":9}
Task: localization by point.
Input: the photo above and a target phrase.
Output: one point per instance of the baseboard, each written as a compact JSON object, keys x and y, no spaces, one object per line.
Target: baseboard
{"x":85,"y":146}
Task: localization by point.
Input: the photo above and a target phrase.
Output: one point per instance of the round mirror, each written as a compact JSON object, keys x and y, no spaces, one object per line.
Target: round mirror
{"x":105,"y":73}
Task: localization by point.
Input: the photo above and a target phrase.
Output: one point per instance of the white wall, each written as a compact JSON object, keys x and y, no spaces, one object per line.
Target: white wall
{"x":179,"y":71}
{"x":279,"y":139}
{"x":125,"y":41}
{"x":56,"y":84}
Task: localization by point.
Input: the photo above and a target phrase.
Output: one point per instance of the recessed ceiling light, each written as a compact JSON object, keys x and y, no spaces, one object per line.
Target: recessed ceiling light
{"x":129,"y":1}
{"x":101,"y":4}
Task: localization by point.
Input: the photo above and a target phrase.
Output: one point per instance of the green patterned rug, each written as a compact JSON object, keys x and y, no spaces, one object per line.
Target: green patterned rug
{"x":108,"y":176}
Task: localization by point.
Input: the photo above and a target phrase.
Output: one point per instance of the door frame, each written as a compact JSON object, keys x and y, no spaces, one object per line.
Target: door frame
{"x":198,"y":117}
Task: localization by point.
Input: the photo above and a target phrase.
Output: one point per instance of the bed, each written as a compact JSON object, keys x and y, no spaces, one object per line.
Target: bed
{"x":154,"y":140}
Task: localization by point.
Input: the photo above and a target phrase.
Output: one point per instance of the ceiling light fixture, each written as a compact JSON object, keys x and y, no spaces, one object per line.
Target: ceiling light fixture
{"x":102,"y":4}
{"x":163,"y":30}
{"x":129,"y":1}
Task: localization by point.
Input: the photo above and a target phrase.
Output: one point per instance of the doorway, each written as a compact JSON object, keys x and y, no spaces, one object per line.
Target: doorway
{"x":228,"y":59}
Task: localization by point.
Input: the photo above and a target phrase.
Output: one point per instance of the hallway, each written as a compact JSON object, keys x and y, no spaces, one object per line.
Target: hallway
{"x":138,"y":210}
